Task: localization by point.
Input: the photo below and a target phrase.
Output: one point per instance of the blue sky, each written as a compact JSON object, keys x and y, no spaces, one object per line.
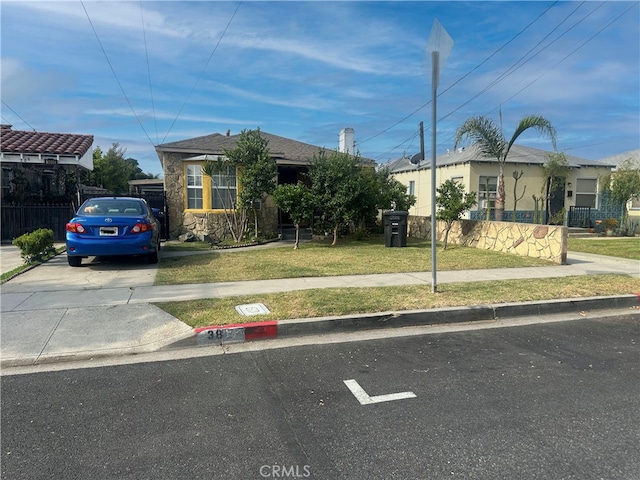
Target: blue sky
{"x":305,"y":70}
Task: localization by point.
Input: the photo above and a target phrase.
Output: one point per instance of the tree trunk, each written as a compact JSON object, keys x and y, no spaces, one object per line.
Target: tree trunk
{"x":335,"y":236}
{"x":500,"y":195}
{"x":297,"y":242}
{"x":255,"y":222}
{"x":446,"y":236}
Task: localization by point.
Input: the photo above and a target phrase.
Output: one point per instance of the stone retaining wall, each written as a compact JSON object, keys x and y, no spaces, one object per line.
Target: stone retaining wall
{"x":548,"y":242}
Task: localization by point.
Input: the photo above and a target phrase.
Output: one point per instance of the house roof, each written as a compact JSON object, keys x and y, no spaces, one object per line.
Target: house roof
{"x":633,"y":155}
{"x":284,"y":150}
{"x":519,"y":154}
{"x":18,"y":141}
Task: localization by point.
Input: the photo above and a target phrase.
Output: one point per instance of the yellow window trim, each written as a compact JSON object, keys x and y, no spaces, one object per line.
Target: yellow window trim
{"x":206,"y":191}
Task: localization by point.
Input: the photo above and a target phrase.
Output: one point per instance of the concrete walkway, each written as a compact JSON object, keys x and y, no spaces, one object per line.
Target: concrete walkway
{"x":44,"y":319}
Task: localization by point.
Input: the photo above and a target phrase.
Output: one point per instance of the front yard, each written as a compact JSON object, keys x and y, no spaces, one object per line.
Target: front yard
{"x":366,"y":257}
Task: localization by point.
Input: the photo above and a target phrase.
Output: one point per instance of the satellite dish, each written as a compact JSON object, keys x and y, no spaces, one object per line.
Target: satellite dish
{"x":416,"y":159}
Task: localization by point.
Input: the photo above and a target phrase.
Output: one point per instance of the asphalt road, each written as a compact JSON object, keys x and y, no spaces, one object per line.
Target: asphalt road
{"x":546,"y":401}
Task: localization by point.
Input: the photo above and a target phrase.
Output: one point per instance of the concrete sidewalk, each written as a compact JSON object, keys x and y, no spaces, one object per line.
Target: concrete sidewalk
{"x":43,"y":321}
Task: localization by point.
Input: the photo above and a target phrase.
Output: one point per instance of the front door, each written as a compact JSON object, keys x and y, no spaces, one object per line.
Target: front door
{"x":556,"y":200}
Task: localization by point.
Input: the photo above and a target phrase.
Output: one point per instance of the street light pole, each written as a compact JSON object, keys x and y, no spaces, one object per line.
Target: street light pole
{"x":439,"y":45}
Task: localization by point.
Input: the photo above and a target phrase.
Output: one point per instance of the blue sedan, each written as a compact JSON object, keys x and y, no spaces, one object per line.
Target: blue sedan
{"x":113,"y":226}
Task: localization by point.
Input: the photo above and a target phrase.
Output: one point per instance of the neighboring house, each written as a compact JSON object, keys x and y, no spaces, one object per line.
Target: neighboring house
{"x":634,"y":156}
{"x":147,"y":186}
{"x":580,"y":196}
{"x":193,"y":205}
{"x":37,"y":166}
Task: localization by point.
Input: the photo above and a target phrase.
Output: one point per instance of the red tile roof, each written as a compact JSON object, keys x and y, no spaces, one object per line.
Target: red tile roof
{"x":17,"y":141}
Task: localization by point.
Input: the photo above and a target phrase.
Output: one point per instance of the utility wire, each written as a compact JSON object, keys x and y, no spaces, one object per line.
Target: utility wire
{"x":114,"y":73}
{"x":464,"y":76}
{"x":16,"y":114}
{"x":572,"y":52}
{"x":516,"y":66}
{"x":146,"y":51}
{"x":203,"y":69}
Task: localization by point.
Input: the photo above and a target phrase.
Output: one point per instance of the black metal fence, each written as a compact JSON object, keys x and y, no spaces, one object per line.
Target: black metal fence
{"x":21,"y":219}
{"x":155,"y":200}
{"x":579,"y":217}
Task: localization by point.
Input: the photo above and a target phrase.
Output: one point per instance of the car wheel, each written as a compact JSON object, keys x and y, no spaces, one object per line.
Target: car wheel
{"x":152,"y":257}
{"x":74,"y":261}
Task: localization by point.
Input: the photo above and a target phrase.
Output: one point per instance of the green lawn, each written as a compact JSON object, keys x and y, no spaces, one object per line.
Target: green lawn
{"x":625,"y":247}
{"x":345,"y":301}
{"x":319,"y":259}
{"x":366,"y":257}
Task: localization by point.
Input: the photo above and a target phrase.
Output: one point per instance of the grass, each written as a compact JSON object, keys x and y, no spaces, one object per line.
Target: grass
{"x":624,"y":247}
{"x":366,"y":257}
{"x":319,"y":259}
{"x":18,"y":270}
{"x":344,"y":301}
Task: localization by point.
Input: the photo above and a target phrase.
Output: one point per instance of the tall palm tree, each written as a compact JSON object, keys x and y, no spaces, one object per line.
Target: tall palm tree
{"x":489,"y":139}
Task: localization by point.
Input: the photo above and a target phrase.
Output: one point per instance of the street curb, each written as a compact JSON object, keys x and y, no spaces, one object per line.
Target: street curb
{"x":239,"y":333}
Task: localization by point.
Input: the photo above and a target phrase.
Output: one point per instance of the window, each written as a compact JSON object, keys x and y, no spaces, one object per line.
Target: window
{"x":635,"y":202}
{"x":194,"y":186}
{"x":224,"y":189}
{"x":411,"y":190}
{"x":586,"y":189}
{"x":457,"y":180}
{"x":7,"y":176}
{"x":487,"y":188}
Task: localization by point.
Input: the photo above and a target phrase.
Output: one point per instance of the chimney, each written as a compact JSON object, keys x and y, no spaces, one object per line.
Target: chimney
{"x":346,"y":142}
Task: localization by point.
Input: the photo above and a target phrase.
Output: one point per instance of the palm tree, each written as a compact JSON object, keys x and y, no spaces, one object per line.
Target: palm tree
{"x":489,"y":139}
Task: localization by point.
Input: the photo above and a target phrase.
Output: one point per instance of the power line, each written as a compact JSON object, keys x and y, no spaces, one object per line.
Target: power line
{"x":114,"y":73}
{"x":464,"y":76}
{"x":146,"y":51}
{"x":521,"y":63}
{"x":572,"y":52}
{"x":203,"y":69}
{"x":16,"y":114}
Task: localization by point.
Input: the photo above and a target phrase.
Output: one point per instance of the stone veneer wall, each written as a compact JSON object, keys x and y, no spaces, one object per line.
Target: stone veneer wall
{"x":548,"y":242}
{"x":204,"y":225}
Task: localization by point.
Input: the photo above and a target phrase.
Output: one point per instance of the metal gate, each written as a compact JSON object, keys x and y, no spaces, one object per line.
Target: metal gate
{"x":155,"y":200}
{"x":20,"y":219}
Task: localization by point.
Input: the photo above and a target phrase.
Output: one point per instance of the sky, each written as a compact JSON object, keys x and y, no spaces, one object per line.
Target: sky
{"x":145,"y":73}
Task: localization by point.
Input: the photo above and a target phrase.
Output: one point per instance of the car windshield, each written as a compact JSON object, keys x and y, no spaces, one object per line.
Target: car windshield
{"x":111,"y":207}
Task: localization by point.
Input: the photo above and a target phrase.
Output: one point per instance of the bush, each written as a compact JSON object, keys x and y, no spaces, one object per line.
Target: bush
{"x":610,"y":223}
{"x":35,"y":246}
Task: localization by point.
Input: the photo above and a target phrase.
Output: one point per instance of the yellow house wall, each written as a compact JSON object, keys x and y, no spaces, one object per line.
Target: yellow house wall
{"x":531,"y":183}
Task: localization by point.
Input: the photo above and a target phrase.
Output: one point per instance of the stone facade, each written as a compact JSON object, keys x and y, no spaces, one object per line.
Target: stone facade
{"x":548,"y":242}
{"x":212,"y":226}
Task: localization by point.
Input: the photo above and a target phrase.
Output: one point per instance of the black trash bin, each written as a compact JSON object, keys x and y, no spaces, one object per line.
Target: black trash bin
{"x":395,"y":228}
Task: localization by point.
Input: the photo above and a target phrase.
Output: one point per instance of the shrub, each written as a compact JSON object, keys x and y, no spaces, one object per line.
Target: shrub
{"x":35,"y":246}
{"x":610,"y":223}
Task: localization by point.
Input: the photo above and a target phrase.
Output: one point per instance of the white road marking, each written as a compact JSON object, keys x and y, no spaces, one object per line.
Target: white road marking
{"x":364,"y":398}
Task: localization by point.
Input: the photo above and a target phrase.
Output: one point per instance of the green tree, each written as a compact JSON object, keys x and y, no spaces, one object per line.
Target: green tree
{"x":556,"y":170}
{"x":258,"y":170}
{"x":250,"y":168}
{"x":392,"y":194}
{"x":337,"y":188}
{"x":112,"y":170}
{"x":491,"y":142}
{"x":624,"y":183}
{"x":297,"y":201}
{"x":224,"y":171}
{"x":452,"y":202}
